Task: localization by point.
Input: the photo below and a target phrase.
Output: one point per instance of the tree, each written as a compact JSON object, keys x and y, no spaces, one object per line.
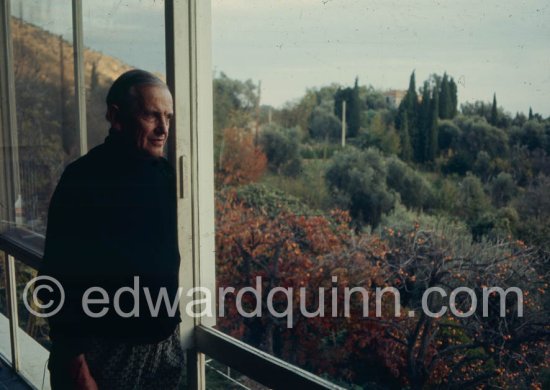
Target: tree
{"x":405,"y":139}
{"x":472,"y":201}
{"x":324,"y":125}
{"x":357,"y":179}
{"x":425,"y":145}
{"x":372,"y":98}
{"x":241,"y":161}
{"x":454,"y":97}
{"x":420,"y":144}
{"x":381,"y":135}
{"x":432,"y":138}
{"x":450,"y":351}
{"x":235,"y":105}
{"x":420,"y":118}
{"x":282,"y":148}
{"x":445,"y":100}
{"x":459,"y":163}
{"x":534,"y":208}
{"x":297,"y":114}
{"x":494,"y":111}
{"x":415,"y":191}
{"x":353,"y":108}
{"x":406,"y":121}
{"x":532,"y":135}
{"x":519,"y":119}
{"x":448,"y":135}
{"x":476,"y":135}
{"x":422,"y":351}
{"x":410,"y":105}
{"x":503,"y":189}
{"x":482,"y":166}
{"x":354,"y":121}
{"x":412,"y":97}
{"x":478,"y":108}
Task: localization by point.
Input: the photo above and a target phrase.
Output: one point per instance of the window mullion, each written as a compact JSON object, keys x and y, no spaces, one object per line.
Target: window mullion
{"x":9,"y":157}
{"x":79,"y":79}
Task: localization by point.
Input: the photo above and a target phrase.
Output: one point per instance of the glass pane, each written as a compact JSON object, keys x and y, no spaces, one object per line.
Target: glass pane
{"x":32,"y":335}
{"x":44,"y":89}
{"x":384,"y":145}
{"x":221,"y":377}
{"x":5,"y":346}
{"x":118,"y":37}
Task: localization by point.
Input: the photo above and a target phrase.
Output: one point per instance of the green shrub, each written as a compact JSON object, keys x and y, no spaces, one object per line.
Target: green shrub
{"x":357,"y":180}
{"x":414,"y":190}
{"x":282,"y":148}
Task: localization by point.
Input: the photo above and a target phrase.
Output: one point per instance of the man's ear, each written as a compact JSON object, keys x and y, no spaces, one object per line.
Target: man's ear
{"x":114,"y":117}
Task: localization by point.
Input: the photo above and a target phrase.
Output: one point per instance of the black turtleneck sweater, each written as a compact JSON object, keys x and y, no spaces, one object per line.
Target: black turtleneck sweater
{"x":113,"y":218}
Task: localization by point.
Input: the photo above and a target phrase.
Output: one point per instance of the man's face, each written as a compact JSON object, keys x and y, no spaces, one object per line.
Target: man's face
{"x":149,"y":122}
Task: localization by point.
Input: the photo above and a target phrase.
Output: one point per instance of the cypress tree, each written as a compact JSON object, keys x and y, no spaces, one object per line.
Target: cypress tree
{"x":353,"y":108}
{"x":412,"y":100}
{"x":454,"y":99}
{"x":354,"y":118}
{"x":411,"y":107}
{"x":445,"y":99}
{"x":494,"y":112}
{"x":405,"y":139}
{"x":432,"y":141}
{"x":339,"y":97}
{"x":406,"y":121}
{"x":423,"y":125}
{"x":531,"y":113}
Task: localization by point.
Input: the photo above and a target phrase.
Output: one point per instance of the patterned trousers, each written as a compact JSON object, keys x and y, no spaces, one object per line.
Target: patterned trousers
{"x":122,"y":366}
{"x":125,"y":366}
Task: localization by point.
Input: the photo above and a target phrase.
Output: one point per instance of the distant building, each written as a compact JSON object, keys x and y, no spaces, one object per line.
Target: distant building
{"x":394,"y":97}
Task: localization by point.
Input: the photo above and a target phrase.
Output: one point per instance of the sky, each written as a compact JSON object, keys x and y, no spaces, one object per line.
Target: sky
{"x":488,"y":47}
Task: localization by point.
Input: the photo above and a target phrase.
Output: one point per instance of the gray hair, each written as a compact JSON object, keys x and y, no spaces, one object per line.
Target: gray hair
{"x":122,"y":92}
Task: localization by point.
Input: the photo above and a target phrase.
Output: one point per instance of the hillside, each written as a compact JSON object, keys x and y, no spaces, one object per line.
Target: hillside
{"x":38,"y":53}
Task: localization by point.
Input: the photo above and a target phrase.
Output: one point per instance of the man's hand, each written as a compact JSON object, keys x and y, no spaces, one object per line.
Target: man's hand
{"x":80,"y":374}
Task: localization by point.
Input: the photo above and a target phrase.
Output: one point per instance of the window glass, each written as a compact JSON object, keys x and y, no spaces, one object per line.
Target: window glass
{"x":32,"y":334}
{"x":44,"y":77}
{"x":221,"y":377}
{"x":384,"y":145}
{"x":118,"y":36}
{"x":44,"y":93}
{"x":5,"y":347}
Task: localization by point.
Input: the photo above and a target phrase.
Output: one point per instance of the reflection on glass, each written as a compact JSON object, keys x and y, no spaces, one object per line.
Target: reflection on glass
{"x":221,"y":377}
{"x":32,"y":334}
{"x":44,"y":92}
{"x":33,"y":326}
{"x":118,"y":37}
{"x":3,"y":296}
{"x":5,"y":346}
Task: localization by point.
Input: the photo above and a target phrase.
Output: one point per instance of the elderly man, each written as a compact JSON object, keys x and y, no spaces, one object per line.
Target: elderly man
{"x":112,"y":244}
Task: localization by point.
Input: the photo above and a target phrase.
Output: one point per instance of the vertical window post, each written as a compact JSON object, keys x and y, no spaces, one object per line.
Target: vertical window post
{"x":9,"y":156}
{"x":79,"y":79}
{"x":189,"y":76}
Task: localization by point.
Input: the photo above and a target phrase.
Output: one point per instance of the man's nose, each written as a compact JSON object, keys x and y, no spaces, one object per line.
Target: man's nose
{"x":163,"y":125}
